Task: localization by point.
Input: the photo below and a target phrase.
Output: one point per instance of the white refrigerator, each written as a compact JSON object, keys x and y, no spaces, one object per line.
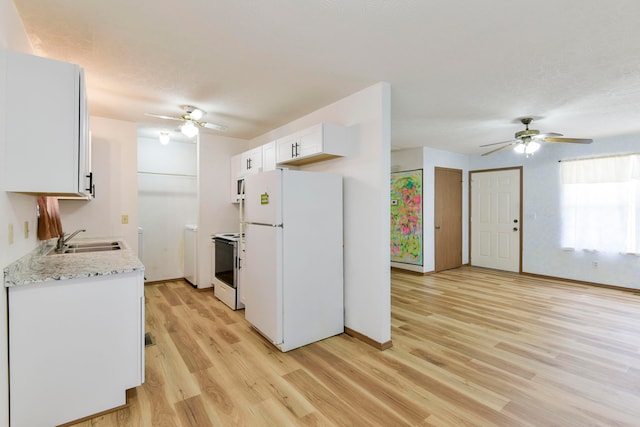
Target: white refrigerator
{"x":293,"y":277}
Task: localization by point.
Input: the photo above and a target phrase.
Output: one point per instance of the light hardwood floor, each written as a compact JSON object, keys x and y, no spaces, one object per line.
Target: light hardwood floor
{"x":472,"y":347}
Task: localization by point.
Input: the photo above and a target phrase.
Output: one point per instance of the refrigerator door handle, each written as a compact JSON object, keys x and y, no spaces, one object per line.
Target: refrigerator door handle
{"x":263,"y":224}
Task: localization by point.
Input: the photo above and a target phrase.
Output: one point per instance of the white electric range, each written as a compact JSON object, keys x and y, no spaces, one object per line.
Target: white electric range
{"x":226,"y":267}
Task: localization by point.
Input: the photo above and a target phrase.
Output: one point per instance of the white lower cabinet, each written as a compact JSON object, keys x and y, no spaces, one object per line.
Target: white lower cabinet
{"x":75,"y":347}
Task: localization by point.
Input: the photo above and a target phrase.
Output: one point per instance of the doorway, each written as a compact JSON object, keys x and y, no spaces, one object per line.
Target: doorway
{"x":448,"y":218}
{"x":496,"y":225}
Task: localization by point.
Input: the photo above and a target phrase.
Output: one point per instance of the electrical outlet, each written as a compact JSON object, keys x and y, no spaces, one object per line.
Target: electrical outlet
{"x":125,"y":219}
{"x":10,"y":234}
{"x":26,"y":229}
{"x":594,"y":264}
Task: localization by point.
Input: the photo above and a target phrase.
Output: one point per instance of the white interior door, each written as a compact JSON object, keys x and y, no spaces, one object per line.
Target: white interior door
{"x":495,"y":219}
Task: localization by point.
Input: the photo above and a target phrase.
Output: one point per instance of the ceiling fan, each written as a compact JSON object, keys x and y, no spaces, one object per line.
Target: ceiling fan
{"x":527,"y":141}
{"x":191,"y":120}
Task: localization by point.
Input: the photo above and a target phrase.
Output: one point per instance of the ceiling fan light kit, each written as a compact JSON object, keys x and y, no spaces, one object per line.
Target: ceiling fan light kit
{"x":527,"y":141}
{"x":194,"y":112}
{"x":189,"y":129}
{"x":527,"y":148}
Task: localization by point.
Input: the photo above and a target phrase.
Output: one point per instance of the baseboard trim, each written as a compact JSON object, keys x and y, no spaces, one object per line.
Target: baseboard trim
{"x":155,"y":282}
{"x":373,"y":343}
{"x":414,"y":273}
{"x":100,"y":414}
{"x":180,"y":279}
{"x":581,"y":282}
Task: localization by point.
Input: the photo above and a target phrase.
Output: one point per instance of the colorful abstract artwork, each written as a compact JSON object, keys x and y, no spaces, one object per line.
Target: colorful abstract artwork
{"x":406,"y":217}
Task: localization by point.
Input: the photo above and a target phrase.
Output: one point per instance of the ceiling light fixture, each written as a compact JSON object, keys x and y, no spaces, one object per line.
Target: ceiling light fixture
{"x":164,"y":137}
{"x":527,"y":147}
{"x":189,"y":129}
{"x":196,"y":113}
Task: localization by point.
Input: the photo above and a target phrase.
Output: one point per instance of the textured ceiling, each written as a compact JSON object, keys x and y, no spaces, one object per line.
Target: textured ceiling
{"x":461,"y":72}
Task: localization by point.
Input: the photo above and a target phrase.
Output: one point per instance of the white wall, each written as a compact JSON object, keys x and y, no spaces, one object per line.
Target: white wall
{"x":366,"y":170}
{"x":167,"y":201}
{"x":541,"y":253}
{"x":216,"y":214}
{"x":14,"y":208}
{"x":428,"y":159}
{"x":113,"y":157}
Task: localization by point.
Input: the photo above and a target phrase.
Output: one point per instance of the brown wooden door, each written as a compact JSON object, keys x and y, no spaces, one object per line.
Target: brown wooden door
{"x":448,"y":218}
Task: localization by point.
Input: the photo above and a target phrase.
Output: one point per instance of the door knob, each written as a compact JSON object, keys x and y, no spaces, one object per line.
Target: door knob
{"x":437,"y":227}
{"x":515,"y":228}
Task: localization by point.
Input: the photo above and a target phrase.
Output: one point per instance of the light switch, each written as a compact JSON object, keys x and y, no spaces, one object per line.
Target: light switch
{"x":26,"y":229}
{"x":125,"y":219}
{"x":10,"y":234}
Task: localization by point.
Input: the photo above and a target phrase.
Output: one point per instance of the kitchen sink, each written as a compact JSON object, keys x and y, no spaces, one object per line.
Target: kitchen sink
{"x":91,"y":249}
{"x":81,"y":248}
{"x":92,"y":245}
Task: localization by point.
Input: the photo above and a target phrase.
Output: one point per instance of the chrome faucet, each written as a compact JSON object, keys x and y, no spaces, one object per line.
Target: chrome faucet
{"x":62,"y":239}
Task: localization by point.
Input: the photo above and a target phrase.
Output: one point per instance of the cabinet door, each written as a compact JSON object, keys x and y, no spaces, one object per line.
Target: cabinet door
{"x":96,"y":330}
{"x":85,"y":174}
{"x":269,"y":156}
{"x":287,"y":148}
{"x":251,"y":161}
{"x":310,"y":141}
{"x":47,"y":157}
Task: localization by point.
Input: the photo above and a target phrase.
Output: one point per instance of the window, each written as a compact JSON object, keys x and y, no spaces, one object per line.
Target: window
{"x":601,"y":204}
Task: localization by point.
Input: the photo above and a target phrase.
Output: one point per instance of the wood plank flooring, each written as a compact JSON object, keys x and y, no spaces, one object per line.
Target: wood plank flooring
{"x":472,"y":347}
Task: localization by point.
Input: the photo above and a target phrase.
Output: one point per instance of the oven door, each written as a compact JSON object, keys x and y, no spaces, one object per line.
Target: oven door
{"x":226,"y":259}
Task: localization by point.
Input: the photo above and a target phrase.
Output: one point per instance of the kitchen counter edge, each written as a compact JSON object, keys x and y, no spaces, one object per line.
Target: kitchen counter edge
{"x":38,"y":266}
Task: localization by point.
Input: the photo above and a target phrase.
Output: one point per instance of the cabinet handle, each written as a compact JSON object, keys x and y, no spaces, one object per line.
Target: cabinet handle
{"x":297,"y":152}
{"x":91,"y":186}
{"x":293,"y":154}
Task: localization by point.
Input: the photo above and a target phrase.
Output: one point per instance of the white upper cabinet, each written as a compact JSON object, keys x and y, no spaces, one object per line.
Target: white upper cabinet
{"x":269,"y":156}
{"x":320,"y":142}
{"x":47,"y":148}
{"x":234,"y":191}
{"x":251,"y":161}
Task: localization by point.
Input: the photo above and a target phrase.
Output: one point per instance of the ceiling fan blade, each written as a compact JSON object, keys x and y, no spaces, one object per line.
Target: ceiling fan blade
{"x":546,"y":135}
{"x":501,"y":148}
{"x":212,"y":126}
{"x":573,"y":140}
{"x":164,"y":117}
{"x":503,"y":142}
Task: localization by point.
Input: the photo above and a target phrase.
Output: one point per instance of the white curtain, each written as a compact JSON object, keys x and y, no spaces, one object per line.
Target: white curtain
{"x":600,"y":199}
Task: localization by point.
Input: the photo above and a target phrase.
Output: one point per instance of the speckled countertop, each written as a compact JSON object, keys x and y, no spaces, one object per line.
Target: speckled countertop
{"x":38,"y":266}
